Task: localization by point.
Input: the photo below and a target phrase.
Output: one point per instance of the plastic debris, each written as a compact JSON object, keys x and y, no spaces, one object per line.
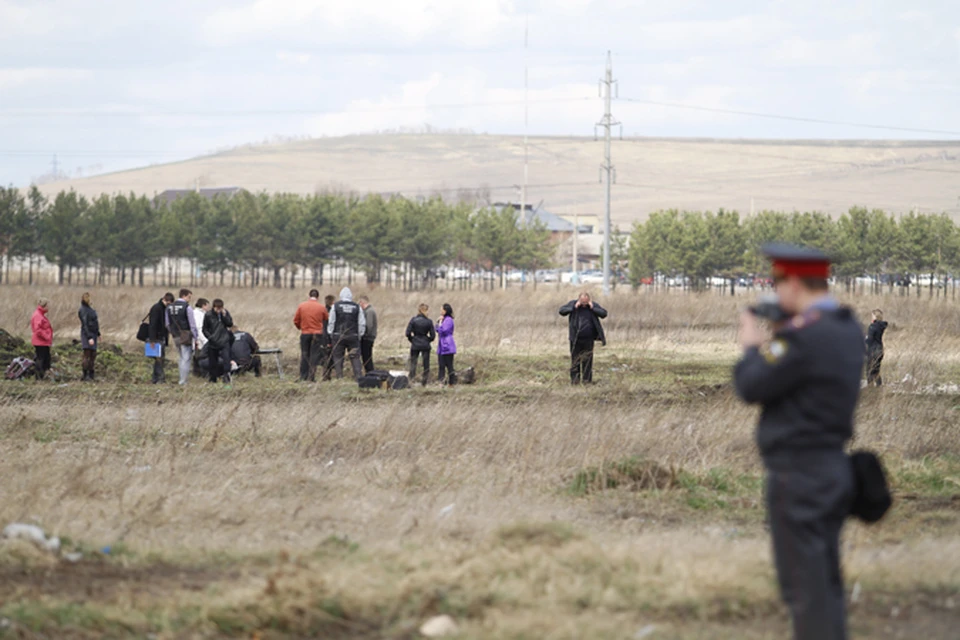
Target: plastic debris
{"x":447,"y":510}
{"x":32,"y":533}
{"x":439,"y":626}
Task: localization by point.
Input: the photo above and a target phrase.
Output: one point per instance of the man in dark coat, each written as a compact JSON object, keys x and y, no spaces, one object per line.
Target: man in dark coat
{"x":874,"y":346}
{"x":584,"y":317}
{"x":244,"y":352}
{"x":806,"y":378}
{"x":158,"y":334}
{"x":216,"y":325}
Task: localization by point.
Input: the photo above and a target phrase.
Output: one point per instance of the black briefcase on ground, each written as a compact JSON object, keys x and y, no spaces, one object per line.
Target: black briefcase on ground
{"x":383,"y":380}
{"x":872,"y":499}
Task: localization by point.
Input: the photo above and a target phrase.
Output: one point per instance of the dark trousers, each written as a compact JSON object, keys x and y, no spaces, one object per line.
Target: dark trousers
{"x":445,"y":363}
{"x":311,"y":349}
{"x":874,"y":359}
{"x":42,"y":361}
{"x":158,"y":373}
{"x":341,"y":346}
{"x":424,"y":354}
{"x":366,"y":354}
{"x":326,"y":359}
{"x":88,"y":363}
{"x":581,"y":361}
{"x":253,"y":365}
{"x":223,"y":357}
{"x":807,"y":503}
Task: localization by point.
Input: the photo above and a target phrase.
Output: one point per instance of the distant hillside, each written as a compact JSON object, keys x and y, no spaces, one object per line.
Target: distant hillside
{"x":564,"y":173}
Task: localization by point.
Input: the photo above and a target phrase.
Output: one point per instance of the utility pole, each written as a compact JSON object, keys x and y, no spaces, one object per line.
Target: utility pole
{"x":56,"y":168}
{"x":607,"y":123}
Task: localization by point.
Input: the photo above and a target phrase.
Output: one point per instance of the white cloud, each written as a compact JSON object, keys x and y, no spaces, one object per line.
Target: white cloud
{"x":290,"y":57}
{"x":13,"y":78}
{"x":380,"y":22}
{"x":858,"y":49}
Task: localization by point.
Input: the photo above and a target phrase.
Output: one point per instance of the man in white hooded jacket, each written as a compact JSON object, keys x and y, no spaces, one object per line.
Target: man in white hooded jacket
{"x":347,"y":325}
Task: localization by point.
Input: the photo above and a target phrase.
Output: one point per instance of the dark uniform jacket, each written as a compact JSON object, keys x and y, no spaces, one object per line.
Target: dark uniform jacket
{"x":89,"y":326}
{"x":346,"y":323}
{"x":158,"y":323}
{"x":244,"y":346}
{"x":807,"y":379}
{"x":874,"y":340}
{"x":420,"y":332}
{"x":215,"y":328}
{"x":599,"y":312}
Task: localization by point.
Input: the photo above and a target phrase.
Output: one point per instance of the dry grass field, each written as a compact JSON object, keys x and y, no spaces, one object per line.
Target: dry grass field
{"x":652,"y":174}
{"x":519,"y":506}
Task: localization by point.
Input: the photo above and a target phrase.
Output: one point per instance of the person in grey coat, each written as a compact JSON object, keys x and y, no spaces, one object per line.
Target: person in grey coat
{"x":366,"y":342}
{"x":89,"y":336}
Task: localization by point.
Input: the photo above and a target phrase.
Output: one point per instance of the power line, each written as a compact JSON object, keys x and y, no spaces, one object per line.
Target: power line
{"x":756,"y":114}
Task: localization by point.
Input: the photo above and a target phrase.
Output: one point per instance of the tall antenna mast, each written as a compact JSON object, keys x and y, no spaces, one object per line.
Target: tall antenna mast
{"x":526,"y":117}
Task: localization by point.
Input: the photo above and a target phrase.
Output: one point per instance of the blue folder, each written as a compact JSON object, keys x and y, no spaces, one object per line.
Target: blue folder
{"x":153,"y":349}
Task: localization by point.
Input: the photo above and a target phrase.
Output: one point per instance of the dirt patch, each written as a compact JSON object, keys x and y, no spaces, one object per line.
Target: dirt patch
{"x":102,"y":581}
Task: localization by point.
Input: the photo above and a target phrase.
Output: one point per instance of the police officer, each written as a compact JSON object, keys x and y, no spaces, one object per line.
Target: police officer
{"x":806,"y":378}
{"x":347,"y":326}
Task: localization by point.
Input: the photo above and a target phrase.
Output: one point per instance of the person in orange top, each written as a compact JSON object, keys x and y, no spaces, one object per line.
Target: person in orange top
{"x":311,"y":319}
{"x":42,"y":337}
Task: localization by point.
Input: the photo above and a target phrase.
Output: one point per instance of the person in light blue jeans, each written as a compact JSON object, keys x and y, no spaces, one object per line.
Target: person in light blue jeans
{"x":183,"y":327}
{"x":446,"y":347}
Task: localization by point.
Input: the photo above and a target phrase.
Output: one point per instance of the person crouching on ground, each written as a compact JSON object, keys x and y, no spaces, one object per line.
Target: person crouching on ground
{"x":421,"y":334}
{"x":244,"y":352}
{"x":216,"y":325}
{"x":41,"y":336}
{"x":584,"y":330}
{"x":874,"y":346}
{"x":446,"y":346}
{"x":89,"y":336}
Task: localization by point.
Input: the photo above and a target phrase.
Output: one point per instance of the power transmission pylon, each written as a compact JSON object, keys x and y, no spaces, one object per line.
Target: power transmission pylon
{"x":607,"y":87}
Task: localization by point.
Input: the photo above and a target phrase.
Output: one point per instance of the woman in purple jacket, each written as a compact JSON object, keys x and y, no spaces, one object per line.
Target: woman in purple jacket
{"x":446,"y":347}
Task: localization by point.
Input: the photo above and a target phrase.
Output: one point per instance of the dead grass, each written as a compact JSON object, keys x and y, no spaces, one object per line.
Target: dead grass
{"x":520,"y":506}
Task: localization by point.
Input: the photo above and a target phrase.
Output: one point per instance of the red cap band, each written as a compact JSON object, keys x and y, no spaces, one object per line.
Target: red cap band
{"x":801,"y":269}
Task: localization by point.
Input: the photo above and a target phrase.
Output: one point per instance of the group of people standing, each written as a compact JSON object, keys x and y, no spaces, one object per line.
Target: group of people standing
{"x":205,"y":336}
{"x":41,"y":337}
{"x":336,"y":329}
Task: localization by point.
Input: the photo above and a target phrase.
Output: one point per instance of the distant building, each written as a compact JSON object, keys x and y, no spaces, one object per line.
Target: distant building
{"x":556,"y":225}
{"x":171,"y":195}
{"x":588,"y":222}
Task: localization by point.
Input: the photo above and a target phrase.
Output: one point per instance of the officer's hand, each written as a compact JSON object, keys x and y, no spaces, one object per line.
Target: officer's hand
{"x":751,"y":335}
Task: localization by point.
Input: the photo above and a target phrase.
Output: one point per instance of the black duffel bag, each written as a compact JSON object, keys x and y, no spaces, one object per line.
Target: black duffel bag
{"x":144,"y":331}
{"x":872,"y":499}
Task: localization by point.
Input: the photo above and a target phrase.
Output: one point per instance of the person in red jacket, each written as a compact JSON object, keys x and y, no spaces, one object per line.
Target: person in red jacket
{"x":42,"y":337}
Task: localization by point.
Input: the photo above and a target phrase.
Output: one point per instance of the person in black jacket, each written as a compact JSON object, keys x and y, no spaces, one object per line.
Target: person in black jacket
{"x":89,"y":336}
{"x":420,"y":333}
{"x":584,"y":330}
{"x":874,"y":346}
{"x":158,"y":334}
{"x":216,"y":325}
{"x":244,"y":352}
{"x":806,"y":378}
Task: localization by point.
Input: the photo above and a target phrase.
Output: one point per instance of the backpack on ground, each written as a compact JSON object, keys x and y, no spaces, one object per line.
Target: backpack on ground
{"x":872,"y":499}
{"x":19,"y":368}
{"x":383,"y":380}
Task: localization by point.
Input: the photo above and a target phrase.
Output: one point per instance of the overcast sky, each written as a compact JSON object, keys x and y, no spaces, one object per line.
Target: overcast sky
{"x":111,"y":84}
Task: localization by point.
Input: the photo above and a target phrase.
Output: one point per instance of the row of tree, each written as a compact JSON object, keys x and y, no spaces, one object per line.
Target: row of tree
{"x":260,"y":239}
{"x":272,"y":239}
{"x":863,"y":242}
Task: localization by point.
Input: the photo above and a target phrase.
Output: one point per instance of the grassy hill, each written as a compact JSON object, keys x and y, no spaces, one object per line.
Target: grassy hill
{"x":564,"y":172}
